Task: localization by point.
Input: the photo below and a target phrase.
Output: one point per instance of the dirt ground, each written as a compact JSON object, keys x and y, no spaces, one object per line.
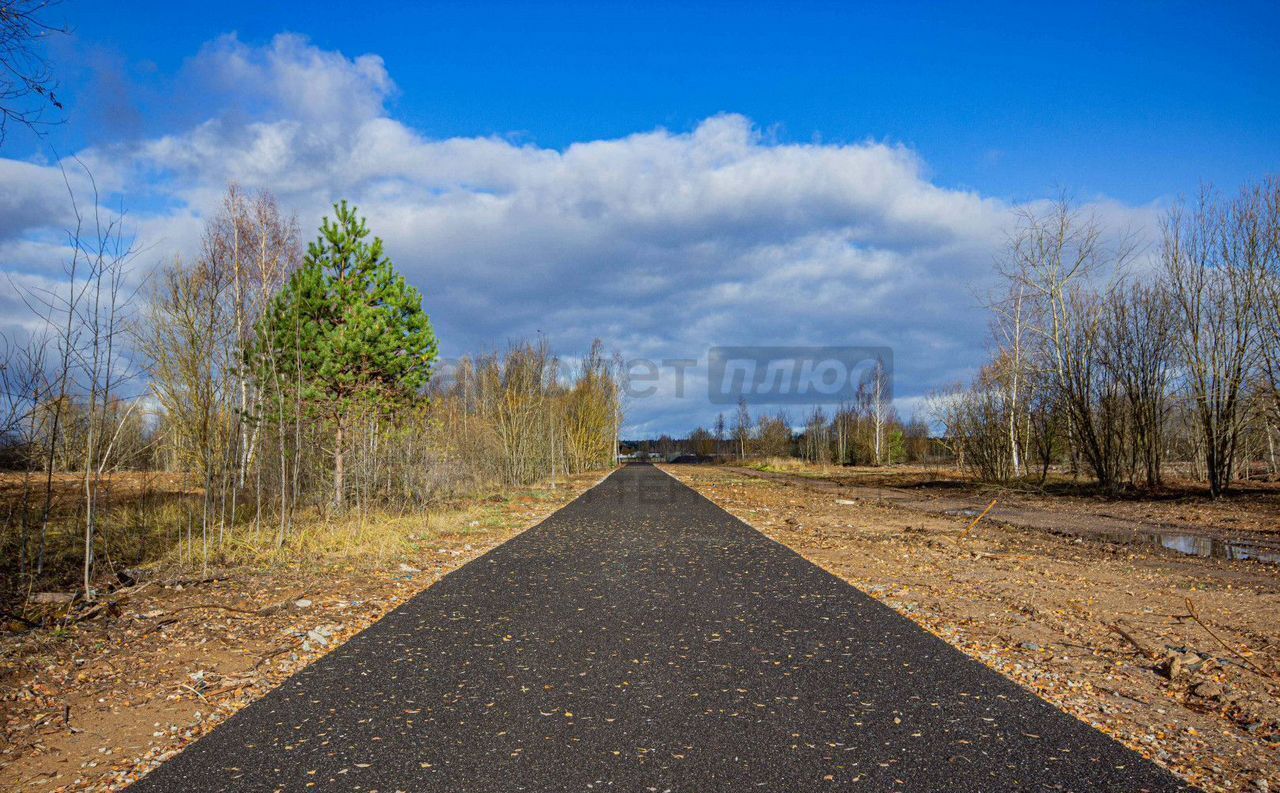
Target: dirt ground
{"x":1101,"y":629}
{"x":1250,"y":511}
{"x":1181,"y":515}
{"x":96,"y":703}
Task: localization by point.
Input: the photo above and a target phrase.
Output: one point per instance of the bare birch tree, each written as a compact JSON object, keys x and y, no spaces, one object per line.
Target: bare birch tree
{"x":1055,"y":255}
{"x":1211,"y":260}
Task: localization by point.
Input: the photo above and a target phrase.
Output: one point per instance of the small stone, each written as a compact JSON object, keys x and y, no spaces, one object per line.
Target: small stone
{"x":1209,"y":689}
{"x":301,"y":603}
{"x":1172,"y":666}
{"x":1032,"y":646}
{"x":408,"y":568}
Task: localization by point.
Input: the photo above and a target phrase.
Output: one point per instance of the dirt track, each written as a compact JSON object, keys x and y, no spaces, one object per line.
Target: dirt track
{"x":1243,"y":529}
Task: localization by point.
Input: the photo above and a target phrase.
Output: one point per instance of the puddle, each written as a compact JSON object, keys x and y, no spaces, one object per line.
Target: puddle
{"x":1189,"y":544}
{"x":1209,"y":547}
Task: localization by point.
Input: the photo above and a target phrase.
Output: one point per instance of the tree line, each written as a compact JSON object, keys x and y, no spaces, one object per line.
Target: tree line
{"x":865,"y":430}
{"x":253,"y":390}
{"x":1124,"y":363}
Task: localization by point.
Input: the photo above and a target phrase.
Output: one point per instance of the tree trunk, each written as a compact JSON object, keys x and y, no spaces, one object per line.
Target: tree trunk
{"x":338,"y":471}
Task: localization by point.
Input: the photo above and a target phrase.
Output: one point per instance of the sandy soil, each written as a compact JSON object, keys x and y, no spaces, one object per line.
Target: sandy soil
{"x":1044,"y":610}
{"x":96,"y":703}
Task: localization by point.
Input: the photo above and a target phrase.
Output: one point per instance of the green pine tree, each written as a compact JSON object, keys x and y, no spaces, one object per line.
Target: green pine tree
{"x":897,"y":446}
{"x":346,"y":329}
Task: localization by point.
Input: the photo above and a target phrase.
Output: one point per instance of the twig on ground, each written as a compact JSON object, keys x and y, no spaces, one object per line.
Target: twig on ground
{"x":1145,"y":651}
{"x":214,"y":606}
{"x":157,"y":626}
{"x":129,"y":591}
{"x":272,"y":654}
{"x":102,"y":607}
{"x":193,"y":691}
{"x":234,"y":685}
{"x":1191,"y":612}
{"x":211,"y":579}
{"x":976,"y":520}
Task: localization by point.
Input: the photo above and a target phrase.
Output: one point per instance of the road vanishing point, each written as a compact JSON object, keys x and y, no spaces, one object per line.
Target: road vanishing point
{"x":643,"y":639}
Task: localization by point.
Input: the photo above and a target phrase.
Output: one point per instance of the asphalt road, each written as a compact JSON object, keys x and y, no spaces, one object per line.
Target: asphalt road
{"x":642,"y":639}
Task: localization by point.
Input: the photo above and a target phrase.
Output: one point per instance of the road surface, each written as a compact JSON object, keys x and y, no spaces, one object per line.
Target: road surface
{"x":642,"y":639}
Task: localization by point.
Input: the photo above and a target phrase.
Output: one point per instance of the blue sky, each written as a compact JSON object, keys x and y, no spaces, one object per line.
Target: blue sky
{"x":1132,"y":100}
{"x":865,"y":157}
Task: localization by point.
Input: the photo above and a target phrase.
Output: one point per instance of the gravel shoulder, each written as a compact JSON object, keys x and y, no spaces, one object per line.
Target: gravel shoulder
{"x":1044,"y":609}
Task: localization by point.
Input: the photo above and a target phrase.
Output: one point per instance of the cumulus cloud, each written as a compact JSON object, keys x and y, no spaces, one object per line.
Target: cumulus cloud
{"x":289,"y":78}
{"x":663,"y":243}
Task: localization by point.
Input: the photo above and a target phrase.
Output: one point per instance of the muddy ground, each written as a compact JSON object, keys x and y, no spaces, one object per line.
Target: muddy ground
{"x":1101,"y":629}
{"x":1248,"y":515}
{"x":93,"y":703}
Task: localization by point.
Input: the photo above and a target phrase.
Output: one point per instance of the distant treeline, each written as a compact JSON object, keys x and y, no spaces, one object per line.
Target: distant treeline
{"x":867,"y":431}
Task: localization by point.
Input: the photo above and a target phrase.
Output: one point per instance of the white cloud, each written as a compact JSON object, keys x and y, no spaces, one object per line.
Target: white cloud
{"x":33,"y":197}
{"x":663,"y":243}
{"x":292,"y":79}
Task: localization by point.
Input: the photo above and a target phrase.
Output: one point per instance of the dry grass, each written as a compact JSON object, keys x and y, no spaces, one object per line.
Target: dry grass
{"x":370,"y":538}
{"x":154,"y":519}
